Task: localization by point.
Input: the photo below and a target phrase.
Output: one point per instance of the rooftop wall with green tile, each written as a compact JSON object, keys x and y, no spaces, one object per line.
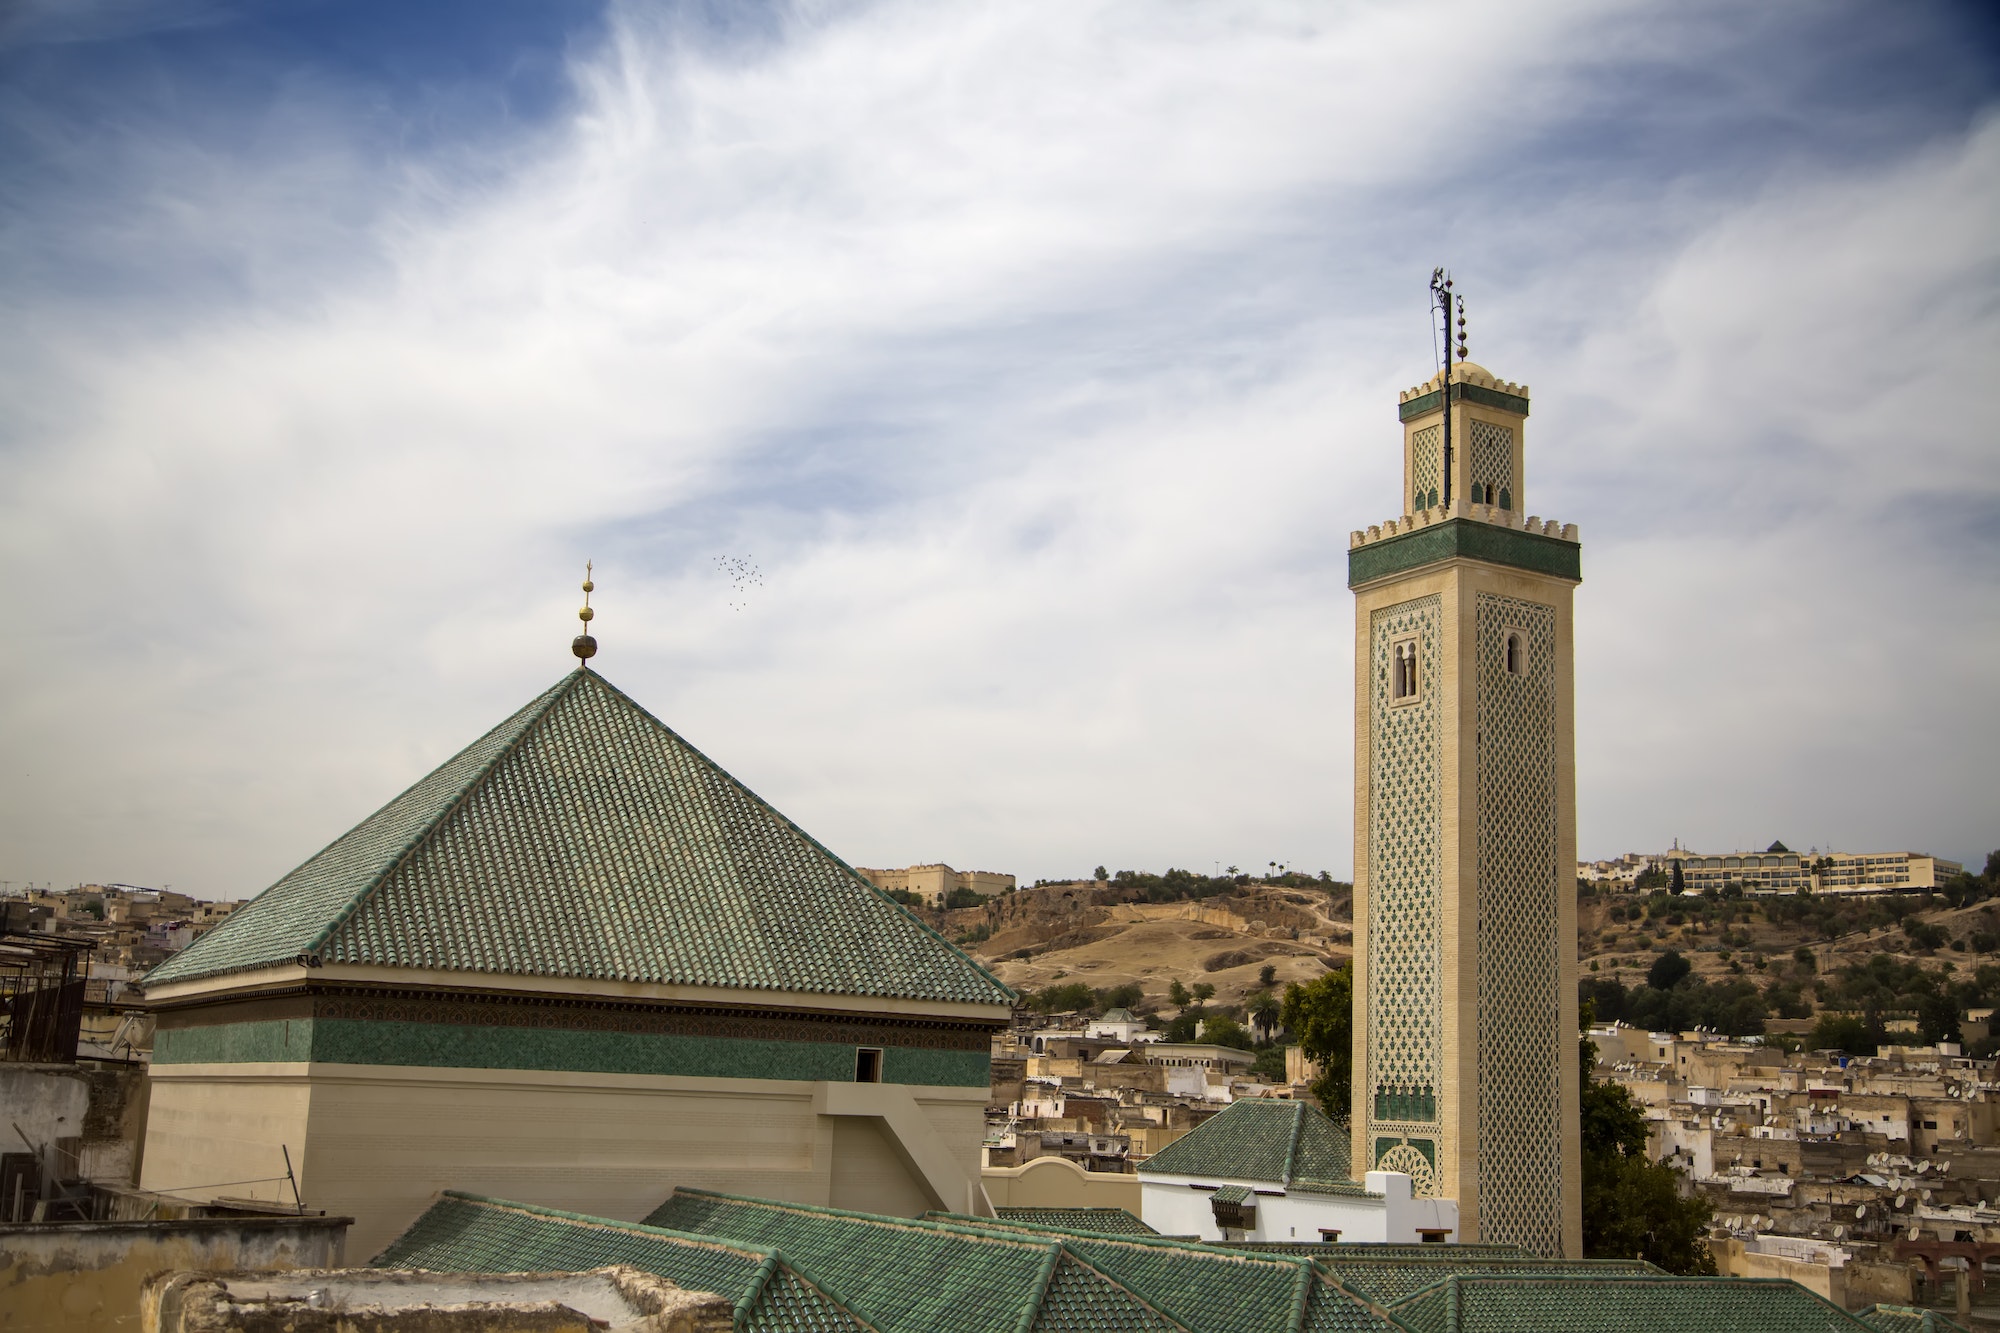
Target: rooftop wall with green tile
{"x":1467,"y":539}
{"x":451,"y":1046}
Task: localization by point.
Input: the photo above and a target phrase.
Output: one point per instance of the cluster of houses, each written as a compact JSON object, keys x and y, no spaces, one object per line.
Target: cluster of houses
{"x":1847,"y":1165}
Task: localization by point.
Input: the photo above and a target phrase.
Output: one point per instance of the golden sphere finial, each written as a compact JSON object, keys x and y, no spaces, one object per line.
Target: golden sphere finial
{"x":583,"y":645}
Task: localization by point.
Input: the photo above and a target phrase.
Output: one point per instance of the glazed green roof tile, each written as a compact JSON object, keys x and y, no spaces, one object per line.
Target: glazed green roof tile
{"x":1908,"y":1319}
{"x":1104,"y":1221}
{"x":1287,"y":1143}
{"x":1219,"y":1290}
{"x":582,"y":838}
{"x":912,"y":1275}
{"x":465,"y":1233}
{"x":1235,"y":1194}
{"x":1393,"y":1279}
{"x":1476,"y":1303}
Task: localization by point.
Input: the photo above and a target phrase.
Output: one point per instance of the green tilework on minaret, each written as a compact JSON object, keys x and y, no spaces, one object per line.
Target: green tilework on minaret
{"x":582,"y":838}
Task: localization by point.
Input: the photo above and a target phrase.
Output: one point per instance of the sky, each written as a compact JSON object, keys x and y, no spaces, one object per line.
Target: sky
{"x":966,"y":407}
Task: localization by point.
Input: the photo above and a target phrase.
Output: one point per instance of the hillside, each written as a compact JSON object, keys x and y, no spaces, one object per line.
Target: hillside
{"x":1110,"y":934}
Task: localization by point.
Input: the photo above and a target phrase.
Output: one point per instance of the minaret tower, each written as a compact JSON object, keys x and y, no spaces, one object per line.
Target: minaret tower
{"x":1465,"y":1069}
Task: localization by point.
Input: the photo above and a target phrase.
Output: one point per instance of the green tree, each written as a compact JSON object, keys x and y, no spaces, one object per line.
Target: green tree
{"x":1100,"y":874}
{"x":1677,"y":884}
{"x":1222,"y":1030}
{"x":1267,"y":975}
{"x":1065,"y":998}
{"x":1633,"y":1208}
{"x":1841,"y":1032}
{"x":1265,"y":1013}
{"x":1177,"y":991}
{"x":1320,"y":1016}
{"x":1204,"y":991}
{"x":1668,"y":968}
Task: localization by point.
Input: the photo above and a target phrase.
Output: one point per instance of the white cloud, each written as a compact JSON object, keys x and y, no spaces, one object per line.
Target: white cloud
{"x":1042,"y":359}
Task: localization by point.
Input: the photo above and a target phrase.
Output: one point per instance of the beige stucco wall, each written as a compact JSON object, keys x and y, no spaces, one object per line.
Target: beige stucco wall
{"x":379,"y":1142}
{"x":1056,"y":1182}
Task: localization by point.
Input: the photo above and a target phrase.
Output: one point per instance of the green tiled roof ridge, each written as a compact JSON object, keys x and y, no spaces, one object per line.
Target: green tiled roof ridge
{"x":1915,"y":1318}
{"x":1454,"y":1289}
{"x":965,"y":1222}
{"x":1064,"y":1255}
{"x":1058,"y":1219}
{"x":187,"y":964}
{"x":770,"y":1258}
{"x":954,"y":1226}
{"x":1050,"y":1263}
{"x":817,"y":845}
{"x":1355,"y":1294}
{"x":1292,"y":1142}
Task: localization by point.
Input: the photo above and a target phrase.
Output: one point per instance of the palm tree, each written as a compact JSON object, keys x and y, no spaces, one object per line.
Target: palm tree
{"x":1264,"y":1013}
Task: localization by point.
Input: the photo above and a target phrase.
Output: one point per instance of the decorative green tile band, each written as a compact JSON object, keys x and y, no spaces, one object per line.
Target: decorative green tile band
{"x":1463,"y":393}
{"x":1473,"y":541}
{"x":450,"y":1046}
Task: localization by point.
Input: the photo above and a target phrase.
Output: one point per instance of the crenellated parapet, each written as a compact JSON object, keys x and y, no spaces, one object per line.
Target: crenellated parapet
{"x":1466,"y":372}
{"x":1492,"y":515}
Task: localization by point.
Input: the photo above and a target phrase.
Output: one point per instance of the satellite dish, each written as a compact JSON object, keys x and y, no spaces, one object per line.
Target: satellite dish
{"x":1860,"y":1211}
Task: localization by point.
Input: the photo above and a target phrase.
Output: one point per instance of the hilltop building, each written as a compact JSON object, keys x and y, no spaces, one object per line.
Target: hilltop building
{"x":579,"y":965}
{"x":1465,"y":1075}
{"x":936,"y":882}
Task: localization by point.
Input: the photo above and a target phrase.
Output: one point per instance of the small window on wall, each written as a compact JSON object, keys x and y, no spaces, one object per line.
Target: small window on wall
{"x":868,"y":1065}
{"x":1516,"y":651}
{"x":1405,"y":686}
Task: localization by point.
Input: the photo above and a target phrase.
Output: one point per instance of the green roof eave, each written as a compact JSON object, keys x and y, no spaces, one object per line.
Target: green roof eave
{"x":1466,"y":539}
{"x":1424,"y":404}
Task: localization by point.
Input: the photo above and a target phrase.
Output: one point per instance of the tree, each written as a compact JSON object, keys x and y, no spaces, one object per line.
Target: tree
{"x":1222,"y":1030}
{"x":1632,"y":1208}
{"x":1267,"y":975}
{"x":1677,"y":884}
{"x":1841,"y":1032}
{"x":1668,"y":968}
{"x":1204,"y":991}
{"x":1177,"y":991}
{"x":1320,"y":1015}
{"x":1992,"y":875}
{"x":1100,"y":874}
{"x":1265,"y":1013}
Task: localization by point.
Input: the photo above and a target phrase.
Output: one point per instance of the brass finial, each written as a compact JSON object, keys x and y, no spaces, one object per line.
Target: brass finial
{"x":584,"y":646}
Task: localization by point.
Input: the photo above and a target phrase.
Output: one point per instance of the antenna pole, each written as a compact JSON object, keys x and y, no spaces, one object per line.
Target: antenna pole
{"x":1441,"y":300}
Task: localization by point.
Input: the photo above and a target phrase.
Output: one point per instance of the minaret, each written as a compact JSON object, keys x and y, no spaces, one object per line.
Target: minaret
{"x":1465,"y":1064}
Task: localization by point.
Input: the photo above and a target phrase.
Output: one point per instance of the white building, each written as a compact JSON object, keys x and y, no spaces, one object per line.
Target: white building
{"x":1278,"y":1170}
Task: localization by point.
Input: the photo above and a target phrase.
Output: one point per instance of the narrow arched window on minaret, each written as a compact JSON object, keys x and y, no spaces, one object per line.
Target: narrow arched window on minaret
{"x":1465,"y":1071}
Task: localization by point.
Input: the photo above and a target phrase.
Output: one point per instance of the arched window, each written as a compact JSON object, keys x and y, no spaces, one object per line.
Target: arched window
{"x":1506,"y":498}
{"x":1403,"y":682}
{"x":1517,"y":658}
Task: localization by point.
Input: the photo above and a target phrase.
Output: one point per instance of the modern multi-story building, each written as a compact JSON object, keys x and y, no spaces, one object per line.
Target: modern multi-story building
{"x":1780,"y":870}
{"x":1465,"y":827}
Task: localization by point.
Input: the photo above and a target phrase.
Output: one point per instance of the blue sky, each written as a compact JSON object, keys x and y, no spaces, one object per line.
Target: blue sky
{"x":1040,"y":358}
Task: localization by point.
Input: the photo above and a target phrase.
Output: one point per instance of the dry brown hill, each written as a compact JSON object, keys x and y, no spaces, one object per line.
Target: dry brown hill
{"x":1105,"y":936}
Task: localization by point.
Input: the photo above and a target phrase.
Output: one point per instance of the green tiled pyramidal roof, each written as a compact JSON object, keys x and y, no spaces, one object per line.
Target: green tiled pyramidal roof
{"x":1571,"y":1304}
{"x":583,"y":838}
{"x":464,"y":1233}
{"x":1289,"y":1143}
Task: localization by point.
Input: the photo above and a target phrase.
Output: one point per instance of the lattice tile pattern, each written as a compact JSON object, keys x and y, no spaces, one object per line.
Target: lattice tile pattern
{"x":1520,"y":1038}
{"x":1405,"y":835}
{"x":1426,"y":467}
{"x":1492,"y":461}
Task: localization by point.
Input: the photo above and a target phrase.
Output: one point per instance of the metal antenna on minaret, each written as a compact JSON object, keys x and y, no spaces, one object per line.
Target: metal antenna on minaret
{"x":1442,"y":302}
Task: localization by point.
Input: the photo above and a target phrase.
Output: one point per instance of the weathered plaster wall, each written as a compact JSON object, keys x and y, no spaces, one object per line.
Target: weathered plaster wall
{"x":90,"y":1275}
